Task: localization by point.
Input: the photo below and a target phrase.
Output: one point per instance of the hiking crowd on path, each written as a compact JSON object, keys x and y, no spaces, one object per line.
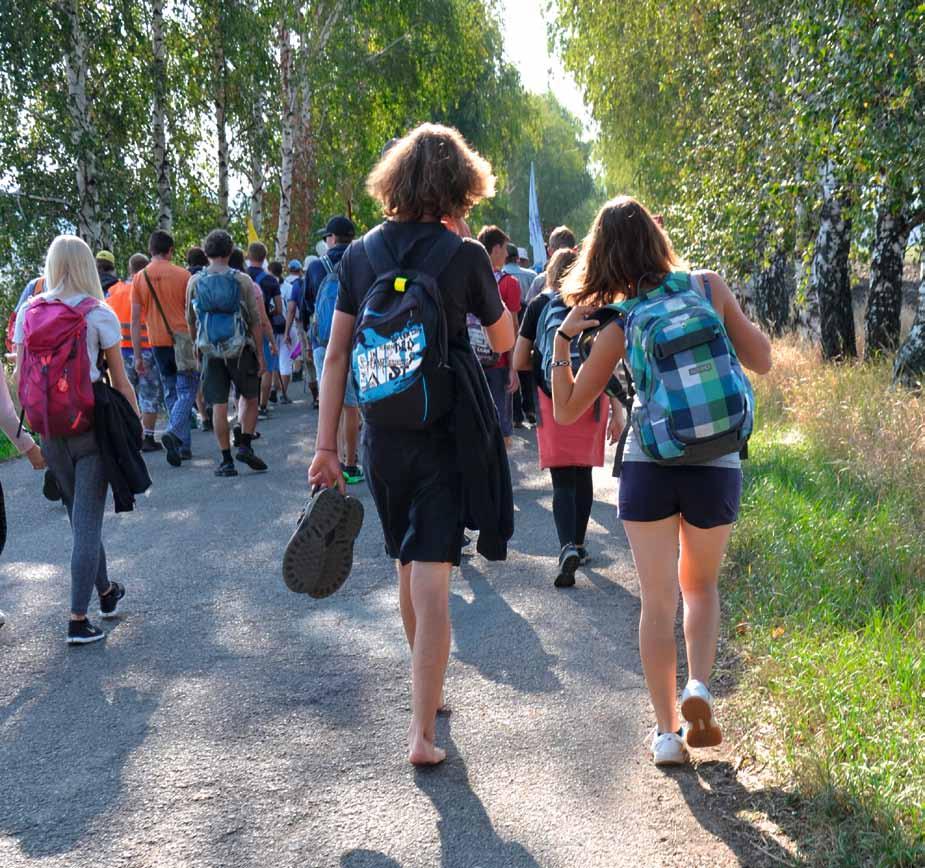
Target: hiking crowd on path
{"x":407,"y":335}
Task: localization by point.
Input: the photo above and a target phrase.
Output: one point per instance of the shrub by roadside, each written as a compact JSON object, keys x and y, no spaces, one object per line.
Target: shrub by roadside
{"x":827,"y":599}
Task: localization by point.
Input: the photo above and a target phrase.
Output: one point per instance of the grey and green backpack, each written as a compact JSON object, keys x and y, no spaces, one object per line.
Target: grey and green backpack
{"x":693,"y":400}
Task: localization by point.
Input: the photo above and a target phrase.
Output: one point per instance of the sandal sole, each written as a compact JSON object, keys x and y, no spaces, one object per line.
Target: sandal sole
{"x":338,"y":561}
{"x":304,"y":559}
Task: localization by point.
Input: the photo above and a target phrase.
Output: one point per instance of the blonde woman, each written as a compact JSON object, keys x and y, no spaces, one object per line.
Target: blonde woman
{"x":75,"y":461}
{"x":677,"y":517}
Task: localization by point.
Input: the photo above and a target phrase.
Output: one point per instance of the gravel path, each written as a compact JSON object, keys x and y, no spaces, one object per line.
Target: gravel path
{"x":228,"y":722}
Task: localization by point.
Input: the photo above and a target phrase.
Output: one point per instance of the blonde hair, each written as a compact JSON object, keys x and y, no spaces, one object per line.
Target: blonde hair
{"x":70,"y":268}
{"x":624,"y":247}
{"x":560,"y":263}
{"x":431,"y":172}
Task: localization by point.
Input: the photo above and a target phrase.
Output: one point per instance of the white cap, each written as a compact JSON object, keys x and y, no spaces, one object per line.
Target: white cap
{"x":522,"y":253}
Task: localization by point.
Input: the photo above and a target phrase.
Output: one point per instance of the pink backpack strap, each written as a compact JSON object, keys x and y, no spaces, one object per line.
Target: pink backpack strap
{"x":87,"y":305}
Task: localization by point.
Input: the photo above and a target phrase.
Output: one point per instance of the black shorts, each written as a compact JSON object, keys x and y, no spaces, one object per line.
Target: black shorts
{"x":417,"y":488}
{"x":219,"y":374}
{"x":704,"y":496}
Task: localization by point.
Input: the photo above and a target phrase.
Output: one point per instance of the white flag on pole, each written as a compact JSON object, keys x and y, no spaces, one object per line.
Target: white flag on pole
{"x":536,"y":228}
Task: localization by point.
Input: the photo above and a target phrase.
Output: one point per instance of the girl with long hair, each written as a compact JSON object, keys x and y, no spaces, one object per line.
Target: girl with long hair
{"x":678,"y":518}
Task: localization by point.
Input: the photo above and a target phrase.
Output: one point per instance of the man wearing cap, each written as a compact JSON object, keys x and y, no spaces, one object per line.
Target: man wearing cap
{"x":337,"y":236}
{"x":106,"y":267}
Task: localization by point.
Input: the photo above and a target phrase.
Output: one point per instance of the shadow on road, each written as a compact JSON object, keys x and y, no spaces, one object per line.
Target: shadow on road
{"x":367,"y":859}
{"x":723,"y":806}
{"x":487,"y":628}
{"x":465,"y":828}
{"x":66,"y":747}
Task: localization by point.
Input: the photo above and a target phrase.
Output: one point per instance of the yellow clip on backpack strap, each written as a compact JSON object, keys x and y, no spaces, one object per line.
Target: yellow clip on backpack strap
{"x":400,"y":284}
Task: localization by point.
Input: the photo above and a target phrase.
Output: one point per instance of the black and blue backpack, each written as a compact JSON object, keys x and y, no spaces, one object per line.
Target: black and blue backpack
{"x":548,"y":323}
{"x":400,"y":342}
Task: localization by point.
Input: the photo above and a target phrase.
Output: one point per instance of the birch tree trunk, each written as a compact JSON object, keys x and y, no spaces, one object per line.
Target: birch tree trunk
{"x":221,"y":126}
{"x":161,"y":159}
{"x":257,"y":174}
{"x":89,"y":225}
{"x":884,"y":303}
{"x":287,"y":86}
{"x":909,"y":367}
{"x":773,"y":293}
{"x":830,"y":280}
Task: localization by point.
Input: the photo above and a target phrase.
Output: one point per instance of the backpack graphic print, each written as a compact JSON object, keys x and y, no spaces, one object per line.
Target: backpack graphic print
{"x":54,"y":386}
{"x":400,"y":353}
{"x":479,"y":342}
{"x":220,"y":328}
{"x":325,"y":301}
{"x":693,"y":399}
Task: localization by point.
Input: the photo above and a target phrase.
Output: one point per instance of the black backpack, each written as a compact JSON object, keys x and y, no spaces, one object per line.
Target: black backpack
{"x":400,"y":354}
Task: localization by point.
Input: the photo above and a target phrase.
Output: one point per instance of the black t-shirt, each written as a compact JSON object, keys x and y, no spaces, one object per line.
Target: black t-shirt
{"x":467,"y":284}
{"x":528,"y":331}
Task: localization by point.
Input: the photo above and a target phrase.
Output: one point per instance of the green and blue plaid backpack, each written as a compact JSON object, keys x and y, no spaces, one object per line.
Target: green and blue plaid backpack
{"x":693,"y":400}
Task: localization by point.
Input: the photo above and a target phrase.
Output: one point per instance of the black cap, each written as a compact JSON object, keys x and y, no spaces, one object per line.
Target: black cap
{"x":340,"y":226}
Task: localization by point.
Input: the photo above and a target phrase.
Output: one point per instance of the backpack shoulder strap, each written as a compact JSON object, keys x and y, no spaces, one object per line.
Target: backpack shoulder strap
{"x":440,"y":254}
{"x":157,"y":301}
{"x":377,"y":251}
{"x":701,"y":285}
{"x":86,"y":306}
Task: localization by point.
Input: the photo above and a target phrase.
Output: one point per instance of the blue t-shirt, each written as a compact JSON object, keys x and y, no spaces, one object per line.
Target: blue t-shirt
{"x":316,"y":271}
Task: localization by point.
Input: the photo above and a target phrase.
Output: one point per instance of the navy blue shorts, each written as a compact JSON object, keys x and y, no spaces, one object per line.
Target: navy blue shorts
{"x":704,"y":496}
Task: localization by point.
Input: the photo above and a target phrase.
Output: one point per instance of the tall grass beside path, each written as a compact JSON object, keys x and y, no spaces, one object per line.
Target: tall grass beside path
{"x":827,"y":595}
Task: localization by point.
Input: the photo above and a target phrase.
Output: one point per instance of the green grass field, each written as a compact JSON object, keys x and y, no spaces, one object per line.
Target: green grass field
{"x":827,"y":600}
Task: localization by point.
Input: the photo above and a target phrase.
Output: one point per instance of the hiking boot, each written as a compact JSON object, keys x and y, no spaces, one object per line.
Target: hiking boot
{"x":272,"y":396}
{"x":568,"y":563}
{"x":186,"y":454}
{"x":285,"y":399}
{"x":50,"y":487}
{"x":109,"y":602}
{"x":226,"y":468}
{"x":246,"y":455}
{"x":263,"y":414}
{"x":173,"y":445}
{"x":236,"y":436}
{"x":353,"y":474}
{"x":83,"y":633}
{"x":149,"y":444}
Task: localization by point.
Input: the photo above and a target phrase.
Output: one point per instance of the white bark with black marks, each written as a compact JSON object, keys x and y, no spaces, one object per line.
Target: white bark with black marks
{"x":221,"y":124}
{"x":89,"y":224}
{"x":287,"y":131}
{"x":909,"y":367}
{"x":829,"y":293}
{"x":159,"y":119}
{"x":773,"y":292}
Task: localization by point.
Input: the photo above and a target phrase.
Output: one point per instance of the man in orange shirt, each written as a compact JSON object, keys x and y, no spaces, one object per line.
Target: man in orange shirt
{"x":159,"y":302}
{"x":147,"y":385}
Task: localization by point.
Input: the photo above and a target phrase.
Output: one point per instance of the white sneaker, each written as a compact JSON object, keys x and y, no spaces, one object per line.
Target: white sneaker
{"x":702,"y":729}
{"x":668,"y":749}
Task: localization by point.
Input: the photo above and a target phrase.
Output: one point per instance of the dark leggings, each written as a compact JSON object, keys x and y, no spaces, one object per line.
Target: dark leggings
{"x":572,"y":496}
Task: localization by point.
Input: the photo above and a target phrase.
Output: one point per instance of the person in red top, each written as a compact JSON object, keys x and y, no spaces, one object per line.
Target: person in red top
{"x":147,"y":382}
{"x":502,"y":378}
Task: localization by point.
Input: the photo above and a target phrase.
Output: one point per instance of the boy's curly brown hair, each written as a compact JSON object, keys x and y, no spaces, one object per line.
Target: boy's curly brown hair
{"x":431,"y":172}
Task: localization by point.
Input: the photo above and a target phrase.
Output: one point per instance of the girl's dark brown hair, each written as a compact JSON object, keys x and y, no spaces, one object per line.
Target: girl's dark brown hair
{"x":560,"y":263}
{"x":431,"y":172}
{"x":624,"y":247}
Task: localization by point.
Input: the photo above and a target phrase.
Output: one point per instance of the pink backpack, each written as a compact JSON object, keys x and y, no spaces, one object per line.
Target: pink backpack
{"x":54,"y":383}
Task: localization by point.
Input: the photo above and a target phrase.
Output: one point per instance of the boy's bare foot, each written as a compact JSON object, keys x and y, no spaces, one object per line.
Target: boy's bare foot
{"x":423,"y":752}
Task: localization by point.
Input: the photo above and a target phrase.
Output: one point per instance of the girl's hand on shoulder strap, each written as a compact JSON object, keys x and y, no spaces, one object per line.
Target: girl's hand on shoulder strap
{"x":578,"y":321}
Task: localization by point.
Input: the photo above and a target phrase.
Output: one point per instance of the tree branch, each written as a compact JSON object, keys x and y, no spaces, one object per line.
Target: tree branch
{"x":51,"y":200}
